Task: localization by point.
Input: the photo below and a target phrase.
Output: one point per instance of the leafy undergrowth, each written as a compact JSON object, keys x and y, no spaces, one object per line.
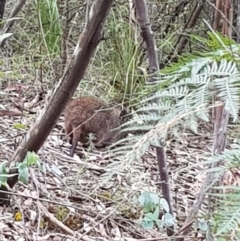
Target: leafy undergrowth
{"x":77,"y":199}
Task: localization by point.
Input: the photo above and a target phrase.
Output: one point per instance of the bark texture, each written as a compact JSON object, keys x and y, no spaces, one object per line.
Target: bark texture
{"x":147,"y":34}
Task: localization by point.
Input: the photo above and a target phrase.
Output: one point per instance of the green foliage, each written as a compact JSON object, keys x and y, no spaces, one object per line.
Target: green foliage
{"x":3,"y":174}
{"x":182,"y":98}
{"x":23,"y":172}
{"x":20,"y":126}
{"x":151,"y":209}
{"x":190,"y":86}
{"x":215,"y":41}
{"x":119,"y":57}
{"x":49,"y":25}
{"x":30,"y":159}
{"x":202,"y":224}
{"x":217,"y":48}
{"x":226,"y":216}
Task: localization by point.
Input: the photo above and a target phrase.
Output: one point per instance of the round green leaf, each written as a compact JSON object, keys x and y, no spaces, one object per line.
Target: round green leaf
{"x":19,"y":126}
{"x":147,"y":224}
{"x":159,"y":224}
{"x":31,"y":158}
{"x":164,"y":204}
{"x":168,"y":219}
{"x":202,"y":224}
{"x":154,"y":198}
{"x":23,"y":173}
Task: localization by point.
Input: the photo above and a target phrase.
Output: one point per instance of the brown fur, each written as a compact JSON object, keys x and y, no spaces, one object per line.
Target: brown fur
{"x":84,"y":116}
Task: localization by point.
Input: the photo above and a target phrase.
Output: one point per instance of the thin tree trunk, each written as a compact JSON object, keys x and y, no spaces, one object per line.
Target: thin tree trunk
{"x":147,"y":34}
{"x":238,"y":21}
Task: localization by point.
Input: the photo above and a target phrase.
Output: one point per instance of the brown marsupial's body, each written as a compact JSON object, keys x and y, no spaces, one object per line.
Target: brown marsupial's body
{"x":87,"y":115}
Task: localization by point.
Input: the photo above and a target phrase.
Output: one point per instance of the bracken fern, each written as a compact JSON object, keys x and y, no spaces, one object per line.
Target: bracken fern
{"x":185,"y":100}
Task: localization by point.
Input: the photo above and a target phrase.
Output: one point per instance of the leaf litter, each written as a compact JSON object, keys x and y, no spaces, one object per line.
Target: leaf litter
{"x":77,"y":199}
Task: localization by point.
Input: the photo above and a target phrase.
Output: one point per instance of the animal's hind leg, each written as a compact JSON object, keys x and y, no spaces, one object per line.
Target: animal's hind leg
{"x":75,"y":138}
{"x":68,"y":129}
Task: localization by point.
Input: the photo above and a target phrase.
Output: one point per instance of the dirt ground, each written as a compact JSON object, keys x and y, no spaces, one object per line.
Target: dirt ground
{"x":84,"y":197}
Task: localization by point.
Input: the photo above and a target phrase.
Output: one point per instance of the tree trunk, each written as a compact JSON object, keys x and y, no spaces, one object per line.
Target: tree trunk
{"x":144,"y":22}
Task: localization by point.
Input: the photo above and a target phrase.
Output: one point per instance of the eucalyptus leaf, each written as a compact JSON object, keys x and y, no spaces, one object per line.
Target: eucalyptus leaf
{"x":159,"y":224}
{"x":3,"y":174}
{"x":156,"y":213}
{"x":202,"y":224}
{"x":154,"y":198}
{"x":147,"y":224}
{"x":164,"y":204}
{"x":149,"y":216}
{"x":144,"y":198}
{"x":31,"y":158}
{"x":23,"y":173}
{"x":3,"y":178}
{"x":168,"y":219}
{"x":19,"y":126}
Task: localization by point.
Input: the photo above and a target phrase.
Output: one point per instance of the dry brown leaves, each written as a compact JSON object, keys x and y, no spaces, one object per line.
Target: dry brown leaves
{"x":70,"y":202}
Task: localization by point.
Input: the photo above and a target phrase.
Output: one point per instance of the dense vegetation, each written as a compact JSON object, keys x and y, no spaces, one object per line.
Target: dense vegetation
{"x":199,"y":74}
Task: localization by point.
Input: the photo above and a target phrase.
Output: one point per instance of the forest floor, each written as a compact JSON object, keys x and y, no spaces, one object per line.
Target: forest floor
{"x":78,"y":198}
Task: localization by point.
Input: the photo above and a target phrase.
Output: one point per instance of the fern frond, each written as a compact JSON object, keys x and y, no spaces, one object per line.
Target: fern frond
{"x":227,"y":216}
{"x":191,"y":87}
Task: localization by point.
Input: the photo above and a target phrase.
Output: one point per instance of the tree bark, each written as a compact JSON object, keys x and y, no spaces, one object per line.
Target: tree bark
{"x":238,"y":21}
{"x":147,"y":34}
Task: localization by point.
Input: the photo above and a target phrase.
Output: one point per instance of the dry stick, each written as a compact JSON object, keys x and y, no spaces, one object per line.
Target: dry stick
{"x":2,"y":8}
{"x":144,"y":22}
{"x":219,"y":143}
{"x":10,"y":113}
{"x":103,"y":219}
{"x":55,"y":221}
